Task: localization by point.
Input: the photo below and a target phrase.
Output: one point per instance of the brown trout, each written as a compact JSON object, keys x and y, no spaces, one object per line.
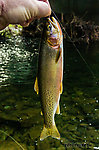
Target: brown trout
{"x":50,"y":73}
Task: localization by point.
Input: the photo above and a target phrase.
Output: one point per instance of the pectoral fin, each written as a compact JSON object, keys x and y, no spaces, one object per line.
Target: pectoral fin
{"x":36,"y":88}
{"x":58,"y":109}
{"x":58,"y":54}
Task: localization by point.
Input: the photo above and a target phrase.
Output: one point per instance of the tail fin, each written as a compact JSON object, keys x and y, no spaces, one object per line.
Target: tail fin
{"x":53,"y":132}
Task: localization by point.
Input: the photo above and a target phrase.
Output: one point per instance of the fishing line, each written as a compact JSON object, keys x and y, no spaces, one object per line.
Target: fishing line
{"x":13,"y":139}
{"x":92,"y":73}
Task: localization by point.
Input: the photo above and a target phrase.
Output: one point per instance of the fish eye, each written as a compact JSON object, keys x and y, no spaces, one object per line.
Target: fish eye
{"x":49,"y":27}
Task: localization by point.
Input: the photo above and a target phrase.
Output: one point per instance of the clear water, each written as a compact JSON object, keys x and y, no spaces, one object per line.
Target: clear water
{"x":20,"y":106}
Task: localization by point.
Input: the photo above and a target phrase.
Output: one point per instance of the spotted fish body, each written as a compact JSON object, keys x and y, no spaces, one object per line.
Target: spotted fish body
{"x":50,"y":73}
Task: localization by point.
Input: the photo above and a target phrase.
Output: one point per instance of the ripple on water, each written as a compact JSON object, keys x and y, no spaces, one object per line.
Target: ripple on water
{"x":16,"y":57}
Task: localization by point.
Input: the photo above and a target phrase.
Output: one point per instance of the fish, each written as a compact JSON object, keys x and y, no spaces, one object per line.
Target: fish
{"x":48,"y":83}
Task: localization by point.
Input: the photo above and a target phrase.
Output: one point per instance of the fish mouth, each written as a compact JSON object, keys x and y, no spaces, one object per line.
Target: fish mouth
{"x":53,"y":21}
{"x":54,"y":33}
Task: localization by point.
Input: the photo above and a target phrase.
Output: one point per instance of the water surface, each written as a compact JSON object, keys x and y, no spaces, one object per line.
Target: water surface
{"x":20,"y":106}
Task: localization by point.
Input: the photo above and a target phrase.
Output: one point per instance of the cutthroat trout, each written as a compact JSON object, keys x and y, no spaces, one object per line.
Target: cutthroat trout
{"x":50,"y":73}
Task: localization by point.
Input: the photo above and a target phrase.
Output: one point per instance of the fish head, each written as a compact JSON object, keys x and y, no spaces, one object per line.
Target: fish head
{"x":54,"y":33}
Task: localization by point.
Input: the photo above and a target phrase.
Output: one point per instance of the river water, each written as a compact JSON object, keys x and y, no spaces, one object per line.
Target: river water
{"x":20,"y":106}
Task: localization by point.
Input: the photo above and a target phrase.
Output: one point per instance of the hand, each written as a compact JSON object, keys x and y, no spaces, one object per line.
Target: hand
{"x":22,"y":11}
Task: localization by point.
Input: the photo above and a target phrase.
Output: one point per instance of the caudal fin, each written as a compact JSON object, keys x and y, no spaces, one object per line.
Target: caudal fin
{"x":53,"y":132}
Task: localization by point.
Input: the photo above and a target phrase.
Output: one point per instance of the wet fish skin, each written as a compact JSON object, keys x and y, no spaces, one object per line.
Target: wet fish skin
{"x":50,"y":74}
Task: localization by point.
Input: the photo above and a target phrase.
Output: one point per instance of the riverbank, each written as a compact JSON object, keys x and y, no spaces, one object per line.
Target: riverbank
{"x":74,"y":28}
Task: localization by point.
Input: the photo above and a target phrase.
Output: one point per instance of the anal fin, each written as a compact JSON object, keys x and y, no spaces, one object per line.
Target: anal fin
{"x":58,"y":109}
{"x":61,"y":88}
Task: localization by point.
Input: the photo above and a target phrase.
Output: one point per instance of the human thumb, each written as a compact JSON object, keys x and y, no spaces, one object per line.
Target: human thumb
{"x":44,"y":8}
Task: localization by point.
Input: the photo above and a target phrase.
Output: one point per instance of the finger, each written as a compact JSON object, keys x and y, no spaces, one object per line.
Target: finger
{"x":44,"y":8}
{"x":46,"y":1}
{"x":3,"y":23}
{"x":26,"y":23}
